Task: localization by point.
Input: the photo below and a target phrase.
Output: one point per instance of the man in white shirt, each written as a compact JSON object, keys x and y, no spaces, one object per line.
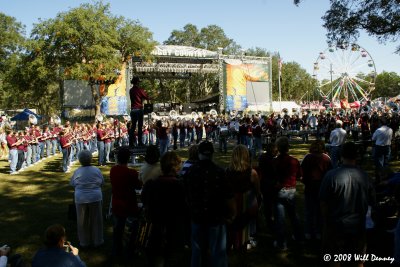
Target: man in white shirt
{"x":383,"y":140}
{"x":337,"y":139}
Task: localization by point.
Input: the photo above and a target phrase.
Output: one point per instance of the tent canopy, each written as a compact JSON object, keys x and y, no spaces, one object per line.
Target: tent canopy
{"x":24,"y":115}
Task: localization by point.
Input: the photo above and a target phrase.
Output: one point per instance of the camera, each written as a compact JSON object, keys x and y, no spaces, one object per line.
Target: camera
{"x":67,"y":246}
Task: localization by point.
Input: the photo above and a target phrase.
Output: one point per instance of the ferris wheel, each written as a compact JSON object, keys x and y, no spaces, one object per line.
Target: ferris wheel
{"x":345,"y":71}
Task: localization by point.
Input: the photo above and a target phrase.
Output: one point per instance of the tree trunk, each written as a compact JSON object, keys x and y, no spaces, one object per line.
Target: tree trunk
{"x":96,"y":98}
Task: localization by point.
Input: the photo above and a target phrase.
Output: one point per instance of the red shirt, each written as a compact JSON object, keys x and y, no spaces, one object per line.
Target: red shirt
{"x":288,"y":170}
{"x":63,"y":142}
{"x":137,"y":94}
{"x":11,"y":140}
{"x":100,"y":134}
{"x":124,"y":181}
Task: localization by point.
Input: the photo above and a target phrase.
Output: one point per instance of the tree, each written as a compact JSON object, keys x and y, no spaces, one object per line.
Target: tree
{"x":346,"y":18}
{"x":387,"y":84}
{"x":189,"y":36}
{"x":89,"y":43}
{"x":11,"y":44}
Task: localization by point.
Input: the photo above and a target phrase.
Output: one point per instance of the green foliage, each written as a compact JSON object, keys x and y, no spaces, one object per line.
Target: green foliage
{"x":378,"y":18}
{"x":387,"y":84}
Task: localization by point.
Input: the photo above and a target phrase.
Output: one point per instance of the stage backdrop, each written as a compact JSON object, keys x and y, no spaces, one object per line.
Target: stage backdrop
{"x":247,"y":86}
{"x":77,"y":94}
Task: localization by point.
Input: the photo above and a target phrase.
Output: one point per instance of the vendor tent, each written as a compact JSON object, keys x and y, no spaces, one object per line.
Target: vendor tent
{"x":24,"y":115}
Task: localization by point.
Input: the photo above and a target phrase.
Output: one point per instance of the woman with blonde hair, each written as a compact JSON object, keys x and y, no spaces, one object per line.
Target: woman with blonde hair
{"x":246,"y":186}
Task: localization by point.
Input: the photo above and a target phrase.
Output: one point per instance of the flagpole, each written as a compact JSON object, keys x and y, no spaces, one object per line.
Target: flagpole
{"x":279,"y":81}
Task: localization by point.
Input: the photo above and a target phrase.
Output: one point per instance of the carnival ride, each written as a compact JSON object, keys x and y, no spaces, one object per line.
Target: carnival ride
{"x":345,"y":71}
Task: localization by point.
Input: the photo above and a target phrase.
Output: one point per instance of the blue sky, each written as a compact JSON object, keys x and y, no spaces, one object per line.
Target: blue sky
{"x":277,"y":25}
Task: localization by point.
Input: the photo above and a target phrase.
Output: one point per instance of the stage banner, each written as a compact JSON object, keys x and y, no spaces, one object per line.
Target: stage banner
{"x":237,"y":75}
{"x":115,"y":101}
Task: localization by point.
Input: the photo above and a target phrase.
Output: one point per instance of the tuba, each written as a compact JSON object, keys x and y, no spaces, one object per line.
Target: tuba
{"x":213,"y":113}
{"x":99,"y":118}
{"x":173,"y":114}
{"x":32,"y":119}
{"x":55,"y":119}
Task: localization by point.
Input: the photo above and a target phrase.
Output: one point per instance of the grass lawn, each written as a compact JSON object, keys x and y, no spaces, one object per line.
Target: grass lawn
{"x":39,"y":196}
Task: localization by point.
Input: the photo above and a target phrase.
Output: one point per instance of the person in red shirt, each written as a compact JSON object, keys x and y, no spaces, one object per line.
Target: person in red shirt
{"x":124,"y":181}
{"x":287,"y":171}
{"x":12,"y":144}
{"x":137,"y":94}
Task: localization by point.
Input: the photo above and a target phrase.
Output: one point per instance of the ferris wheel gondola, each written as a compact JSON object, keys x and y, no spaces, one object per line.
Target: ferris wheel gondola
{"x":345,"y":71}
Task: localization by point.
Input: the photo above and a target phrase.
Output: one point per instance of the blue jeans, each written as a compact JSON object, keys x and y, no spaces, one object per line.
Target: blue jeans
{"x":335,"y":152}
{"x":48,"y":147}
{"x":312,"y":213}
{"x":257,"y":146}
{"x":136,"y":117}
{"x":29,"y":155}
{"x":163,"y":146}
{"x":286,"y":202}
{"x":66,"y":158}
{"x":14,"y":159}
{"x":54,"y":145}
{"x":34,"y":153}
{"x":40,"y":151}
{"x":381,"y":156}
{"x":107,"y":150}
{"x":212,"y":238}
{"x":100,"y":149}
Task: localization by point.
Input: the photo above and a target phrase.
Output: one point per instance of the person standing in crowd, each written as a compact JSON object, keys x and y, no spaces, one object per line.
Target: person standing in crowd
{"x":246,"y":187}
{"x":12,"y":144}
{"x":137,"y":94}
{"x":287,"y":171}
{"x":124,"y":182}
{"x":337,"y":139}
{"x":314,"y":166}
{"x":268,"y":182}
{"x":211,"y":203}
{"x":383,"y":140}
{"x":87,"y":181}
{"x":193,"y":158}
{"x":21,"y":151}
{"x":65,"y":143}
{"x":54,"y":255}
{"x":162,"y":136}
{"x":345,"y":195}
{"x":165,"y":207}
{"x":151,"y":168}
{"x":101,"y":136}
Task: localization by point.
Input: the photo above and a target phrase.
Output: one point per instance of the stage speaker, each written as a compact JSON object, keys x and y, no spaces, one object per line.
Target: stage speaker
{"x":148,"y":108}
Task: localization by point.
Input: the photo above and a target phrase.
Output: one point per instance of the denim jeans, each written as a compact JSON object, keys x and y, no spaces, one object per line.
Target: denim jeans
{"x":100,"y":148}
{"x":48,"y":147}
{"x":209,"y":238}
{"x":257,"y":146}
{"x":381,"y":156}
{"x":34,"y":153}
{"x":66,"y":158}
{"x":136,"y":117}
{"x":335,"y":152}
{"x":54,"y":145}
{"x":107,"y":150}
{"x":312,"y":213}
{"x":14,"y":159}
{"x":286,"y":203}
{"x":29,"y":155}
{"x":40,"y":151}
{"x":163,"y":146}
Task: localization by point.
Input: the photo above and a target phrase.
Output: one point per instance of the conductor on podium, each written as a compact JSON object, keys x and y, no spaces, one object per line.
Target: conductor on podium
{"x":137,"y":95}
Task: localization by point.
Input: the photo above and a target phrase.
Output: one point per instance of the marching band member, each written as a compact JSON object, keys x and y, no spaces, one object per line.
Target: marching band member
{"x":40,"y":146}
{"x":12,"y":144}
{"x":21,"y":150}
{"x":55,"y":139}
{"x":47,"y":140}
{"x":28,"y":140}
{"x":65,"y":142}
{"x":101,"y":136}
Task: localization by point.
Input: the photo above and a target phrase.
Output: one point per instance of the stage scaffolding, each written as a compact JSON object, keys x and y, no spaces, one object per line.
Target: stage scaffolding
{"x":179,"y":62}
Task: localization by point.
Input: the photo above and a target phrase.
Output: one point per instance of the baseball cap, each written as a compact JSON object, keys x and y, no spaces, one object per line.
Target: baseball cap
{"x":206,"y":148}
